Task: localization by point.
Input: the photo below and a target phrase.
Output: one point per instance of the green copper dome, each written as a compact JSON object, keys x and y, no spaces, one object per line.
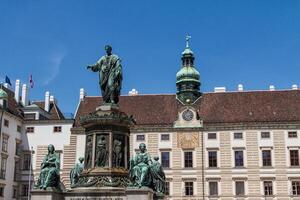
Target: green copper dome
{"x":188,"y":73}
{"x":3,"y":94}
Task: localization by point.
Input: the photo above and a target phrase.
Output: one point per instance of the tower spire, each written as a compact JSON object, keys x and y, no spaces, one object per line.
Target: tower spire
{"x":187,"y":39}
{"x":188,"y":78}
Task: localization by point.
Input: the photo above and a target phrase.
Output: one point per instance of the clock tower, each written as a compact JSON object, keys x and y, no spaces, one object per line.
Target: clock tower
{"x":188,"y":78}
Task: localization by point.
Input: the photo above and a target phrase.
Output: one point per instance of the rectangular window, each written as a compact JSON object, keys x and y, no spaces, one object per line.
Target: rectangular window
{"x":239,"y":158}
{"x":239,"y":188}
{"x":213,"y":188}
{"x":294,"y":157}
{"x":30,"y":116}
{"x":212,"y":159}
{"x":238,"y":135}
{"x":292,"y":134}
{"x":6,"y":123}
{"x":1,"y":191}
{"x":165,"y":159}
{"x":165,"y":137}
{"x":189,"y":188}
{"x":3,"y":168}
{"x":296,"y":187}
{"x":268,"y":188}
{"x":167,"y":188}
{"x":5,"y":143}
{"x":24,"y":192}
{"x":212,"y":136}
{"x":18,"y":147}
{"x":140,"y":137}
{"x":30,"y":129}
{"x":266,"y":158}
{"x":26,"y":161}
{"x":57,"y":129}
{"x":15,"y":192}
{"x":188,"y":159}
{"x":17,"y":170}
{"x":265,"y":135}
{"x":19,"y":128}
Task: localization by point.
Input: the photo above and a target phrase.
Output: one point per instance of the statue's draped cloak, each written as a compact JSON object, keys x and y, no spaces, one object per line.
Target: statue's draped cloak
{"x":110,"y":77}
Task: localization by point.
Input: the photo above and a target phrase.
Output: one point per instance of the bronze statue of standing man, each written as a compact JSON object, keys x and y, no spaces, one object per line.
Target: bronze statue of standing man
{"x":110,"y":76}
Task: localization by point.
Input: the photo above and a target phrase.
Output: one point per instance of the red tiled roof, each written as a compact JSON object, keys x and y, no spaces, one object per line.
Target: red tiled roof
{"x":12,"y":106}
{"x":227,"y":107}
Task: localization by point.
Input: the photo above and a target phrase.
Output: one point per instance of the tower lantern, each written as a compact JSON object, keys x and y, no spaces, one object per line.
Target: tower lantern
{"x":188,"y":78}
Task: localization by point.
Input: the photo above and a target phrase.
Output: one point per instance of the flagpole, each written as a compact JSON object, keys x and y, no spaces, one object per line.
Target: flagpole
{"x":29,"y":184}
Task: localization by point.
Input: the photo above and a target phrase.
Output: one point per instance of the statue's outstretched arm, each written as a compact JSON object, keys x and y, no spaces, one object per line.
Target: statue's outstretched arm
{"x":95,"y":67}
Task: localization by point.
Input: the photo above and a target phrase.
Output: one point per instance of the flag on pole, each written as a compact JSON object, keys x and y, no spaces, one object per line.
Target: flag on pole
{"x":31,"y":82}
{"x":7,"y":80}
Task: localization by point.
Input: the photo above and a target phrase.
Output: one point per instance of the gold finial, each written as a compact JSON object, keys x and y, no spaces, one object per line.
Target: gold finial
{"x":187,"y":38}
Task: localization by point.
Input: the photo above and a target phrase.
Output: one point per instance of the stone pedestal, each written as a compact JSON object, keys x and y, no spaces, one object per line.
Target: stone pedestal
{"x":96,"y":194}
{"x":139,"y":194}
{"x":48,"y":194}
{"x":107,"y":148}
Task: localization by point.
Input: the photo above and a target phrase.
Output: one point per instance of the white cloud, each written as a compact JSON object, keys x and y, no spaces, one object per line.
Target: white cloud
{"x":54,"y":66}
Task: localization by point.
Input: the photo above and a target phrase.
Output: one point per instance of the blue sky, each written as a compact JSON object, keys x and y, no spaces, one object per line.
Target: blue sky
{"x":256,"y":43}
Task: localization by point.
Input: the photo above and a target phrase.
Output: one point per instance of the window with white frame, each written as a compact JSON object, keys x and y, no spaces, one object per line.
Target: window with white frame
{"x":3,"y":167}
{"x":294,"y":157}
{"x":266,"y":158}
{"x":24,"y":192}
{"x":140,"y":137}
{"x":165,"y":137}
{"x":238,"y":135}
{"x":189,"y":188}
{"x":167,"y":188}
{"x":5,"y":143}
{"x":239,"y":158}
{"x":268,"y":188}
{"x":30,"y":129}
{"x":292,"y":134}
{"x":26,"y":161}
{"x":211,"y":136}
{"x":212,"y":159}
{"x":165,"y":159}
{"x":265,"y":135}
{"x":239,"y":188}
{"x":188,"y":159}
{"x":296,"y":188}
{"x":57,"y":129}
{"x":213,"y":188}
{"x":6,"y":122}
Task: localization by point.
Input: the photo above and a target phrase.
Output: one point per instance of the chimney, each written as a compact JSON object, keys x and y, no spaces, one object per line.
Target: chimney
{"x":133,"y":92}
{"x":220,"y":89}
{"x":6,"y":85}
{"x":294,"y":87}
{"x":52,"y":99}
{"x":17,"y":91}
{"x":82,"y":94}
{"x":272,"y":88}
{"x":240,"y":88}
{"x":47,"y":101}
{"x":24,"y":95}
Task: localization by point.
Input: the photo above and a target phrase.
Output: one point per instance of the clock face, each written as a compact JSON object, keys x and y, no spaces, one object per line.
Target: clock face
{"x":187,"y":115}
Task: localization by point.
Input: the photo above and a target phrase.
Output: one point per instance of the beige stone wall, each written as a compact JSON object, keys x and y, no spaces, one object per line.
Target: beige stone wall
{"x":253,"y":152}
{"x":253,"y":173}
{"x":69,"y":160}
{"x":225,"y":165}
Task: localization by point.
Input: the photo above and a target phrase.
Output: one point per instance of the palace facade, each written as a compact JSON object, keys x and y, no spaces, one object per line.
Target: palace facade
{"x":221,"y":145}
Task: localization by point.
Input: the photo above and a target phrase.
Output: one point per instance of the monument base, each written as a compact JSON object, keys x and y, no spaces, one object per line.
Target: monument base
{"x":95,"y":194}
{"x":139,"y":193}
{"x":49,"y":194}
